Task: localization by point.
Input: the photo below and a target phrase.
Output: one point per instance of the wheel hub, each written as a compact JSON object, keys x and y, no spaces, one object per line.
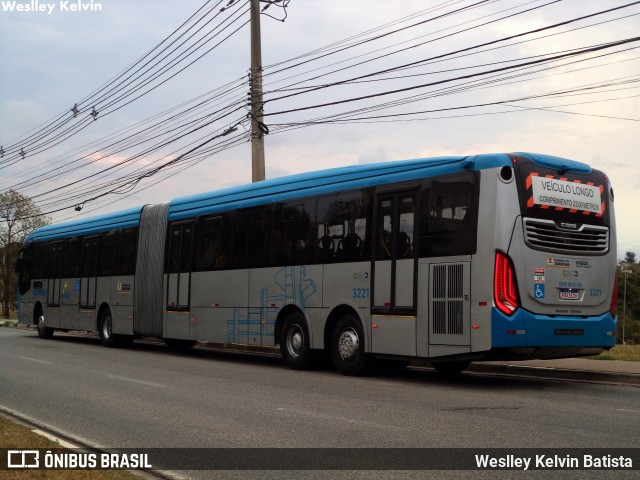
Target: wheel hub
{"x":348,"y":344}
{"x":295,"y":341}
{"x":106,"y":328}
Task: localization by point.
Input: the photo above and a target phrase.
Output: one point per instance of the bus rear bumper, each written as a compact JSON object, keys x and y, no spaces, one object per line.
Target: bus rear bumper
{"x":553,"y":334}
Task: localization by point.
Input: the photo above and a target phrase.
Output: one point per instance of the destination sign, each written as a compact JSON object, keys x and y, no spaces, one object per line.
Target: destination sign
{"x":552,"y":192}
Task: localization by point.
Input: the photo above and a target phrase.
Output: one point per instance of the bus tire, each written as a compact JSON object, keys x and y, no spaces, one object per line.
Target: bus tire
{"x":105,"y":329}
{"x":451,"y":368}
{"x":347,"y":346}
{"x":43,"y":331}
{"x":295,"y":344}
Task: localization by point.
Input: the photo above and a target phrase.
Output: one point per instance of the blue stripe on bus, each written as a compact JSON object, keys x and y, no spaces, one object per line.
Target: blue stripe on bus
{"x":326,"y":181}
{"x":540,"y":330}
{"x":88,"y":226}
{"x":297,"y":186}
{"x":305,"y":184}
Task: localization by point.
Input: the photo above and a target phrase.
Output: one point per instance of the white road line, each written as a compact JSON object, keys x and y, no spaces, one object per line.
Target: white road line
{"x":53,"y":438}
{"x":336,"y":418}
{"x":133,"y":380}
{"x":35,"y":360}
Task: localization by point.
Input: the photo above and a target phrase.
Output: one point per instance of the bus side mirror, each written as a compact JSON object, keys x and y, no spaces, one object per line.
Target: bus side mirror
{"x":18,"y":268}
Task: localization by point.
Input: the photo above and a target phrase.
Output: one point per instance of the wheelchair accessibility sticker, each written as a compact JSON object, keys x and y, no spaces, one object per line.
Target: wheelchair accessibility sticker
{"x":538,"y":290}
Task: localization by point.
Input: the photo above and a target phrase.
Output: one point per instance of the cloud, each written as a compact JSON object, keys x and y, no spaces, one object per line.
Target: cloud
{"x":60,"y":59}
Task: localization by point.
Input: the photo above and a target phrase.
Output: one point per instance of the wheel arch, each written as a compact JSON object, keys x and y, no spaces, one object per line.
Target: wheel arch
{"x":336,"y":313}
{"x":36,"y":309}
{"x":284,"y":313}
{"x":103,"y":307}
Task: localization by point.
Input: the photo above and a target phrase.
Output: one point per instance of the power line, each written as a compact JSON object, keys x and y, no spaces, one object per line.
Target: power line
{"x":461,"y":77}
{"x":42,"y":137}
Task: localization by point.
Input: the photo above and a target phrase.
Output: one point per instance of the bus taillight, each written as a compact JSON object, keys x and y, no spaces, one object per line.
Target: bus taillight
{"x":613,"y":308}
{"x":505,"y":288}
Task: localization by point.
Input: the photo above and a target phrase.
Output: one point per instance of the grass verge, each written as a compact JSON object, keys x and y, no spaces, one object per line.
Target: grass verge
{"x":15,"y":435}
{"x":628,"y":353}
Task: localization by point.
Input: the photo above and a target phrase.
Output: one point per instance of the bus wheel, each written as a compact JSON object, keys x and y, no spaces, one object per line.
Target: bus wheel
{"x":347,"y":346}
{"x":105,"y":329}
{"x":451,"y":368}
{"x":295,"y":345}
{"x":43,"y":331}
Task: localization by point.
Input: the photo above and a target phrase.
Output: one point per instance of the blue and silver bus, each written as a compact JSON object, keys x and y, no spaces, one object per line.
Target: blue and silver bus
{"x":450,"y":259}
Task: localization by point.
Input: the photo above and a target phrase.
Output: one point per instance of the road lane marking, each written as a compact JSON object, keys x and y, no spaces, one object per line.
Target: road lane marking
{"x":133,"y":380}
{"x":35,"y":360}
{"x":53,"y":438}
{"x":336,"y":418}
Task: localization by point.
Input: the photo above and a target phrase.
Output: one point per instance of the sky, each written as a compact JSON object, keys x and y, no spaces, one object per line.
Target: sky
{"x":582,"y":104}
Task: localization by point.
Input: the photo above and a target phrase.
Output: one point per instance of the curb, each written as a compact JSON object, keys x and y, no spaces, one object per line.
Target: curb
{"x":556,"y":373}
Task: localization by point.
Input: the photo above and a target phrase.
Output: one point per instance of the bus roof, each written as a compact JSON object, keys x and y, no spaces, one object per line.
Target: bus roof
{"x":297,"y":186}
{"x":557,"y":163}
{"x":88,"y":226}
{"x":326,"y":181}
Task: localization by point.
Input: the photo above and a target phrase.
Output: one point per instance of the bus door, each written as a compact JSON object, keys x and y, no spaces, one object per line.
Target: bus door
{"x":89,"y":272}
{"x":393,"y":270}
{"x":55,"y":271}
{"x":179,"y":280}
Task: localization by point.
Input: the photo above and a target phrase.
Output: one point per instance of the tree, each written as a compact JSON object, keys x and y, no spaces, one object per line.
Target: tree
{"x":629,"y":290}
{"x":630,"y":258}
{"x":19,"y":216}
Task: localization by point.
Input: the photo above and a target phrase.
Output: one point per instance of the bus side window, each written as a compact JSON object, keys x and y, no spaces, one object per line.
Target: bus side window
{"x":251,"y":238}
{"x":56,"y":259}
{"x":108,"y":254}
{"x":23,"y":269}
{"x":292,"y":235}
{"x":71,"y":265}
{"x":90,"y":257}
{"x":127,"y":247}
{"x":342,"y":227}
{"x":449,"y":216}
{"x":39,"y":260}
{"x":212,"y":244}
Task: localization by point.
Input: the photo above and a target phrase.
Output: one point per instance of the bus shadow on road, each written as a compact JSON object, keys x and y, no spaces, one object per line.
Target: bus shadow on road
{"x":411,"y":374}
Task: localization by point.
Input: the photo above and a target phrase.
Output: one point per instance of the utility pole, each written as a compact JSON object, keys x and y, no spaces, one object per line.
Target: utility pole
{"x":626,"y":273}
{"x":257,"y":135}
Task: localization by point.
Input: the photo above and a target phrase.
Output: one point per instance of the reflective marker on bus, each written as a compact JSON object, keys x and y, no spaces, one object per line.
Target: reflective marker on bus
{"x":451,"y":259}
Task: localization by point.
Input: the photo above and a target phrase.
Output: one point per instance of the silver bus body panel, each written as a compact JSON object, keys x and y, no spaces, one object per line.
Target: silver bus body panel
{"x":496,"y":213}
{"x":557,"y":284}
{"x":392,"y":335}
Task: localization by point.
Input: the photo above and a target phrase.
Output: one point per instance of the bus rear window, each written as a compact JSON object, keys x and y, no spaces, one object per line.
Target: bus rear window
{"x":562,"y":196}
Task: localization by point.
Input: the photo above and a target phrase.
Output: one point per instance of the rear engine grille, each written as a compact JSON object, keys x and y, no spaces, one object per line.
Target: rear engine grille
{"x":547,"y":236}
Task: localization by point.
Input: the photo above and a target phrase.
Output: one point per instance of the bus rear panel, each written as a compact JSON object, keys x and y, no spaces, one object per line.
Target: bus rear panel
{"x":554,"y":281}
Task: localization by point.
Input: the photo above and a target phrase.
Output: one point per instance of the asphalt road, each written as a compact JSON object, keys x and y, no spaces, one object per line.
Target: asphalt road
{"x":146,"y":396}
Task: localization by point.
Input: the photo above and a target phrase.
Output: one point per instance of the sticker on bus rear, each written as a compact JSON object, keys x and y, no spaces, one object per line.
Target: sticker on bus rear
{"x":553,"y":192}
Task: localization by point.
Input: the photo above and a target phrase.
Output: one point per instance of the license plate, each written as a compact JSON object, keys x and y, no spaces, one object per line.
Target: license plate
{"x":569,"y":331}
{"x":569,"y":294}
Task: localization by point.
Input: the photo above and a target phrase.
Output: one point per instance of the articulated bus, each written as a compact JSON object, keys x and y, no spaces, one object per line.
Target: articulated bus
{"x":451,"y":259}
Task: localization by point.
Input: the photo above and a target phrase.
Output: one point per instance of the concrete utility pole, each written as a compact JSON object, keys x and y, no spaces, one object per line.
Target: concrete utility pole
{"x":257,"y":135}
{"x":626,"y":273}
